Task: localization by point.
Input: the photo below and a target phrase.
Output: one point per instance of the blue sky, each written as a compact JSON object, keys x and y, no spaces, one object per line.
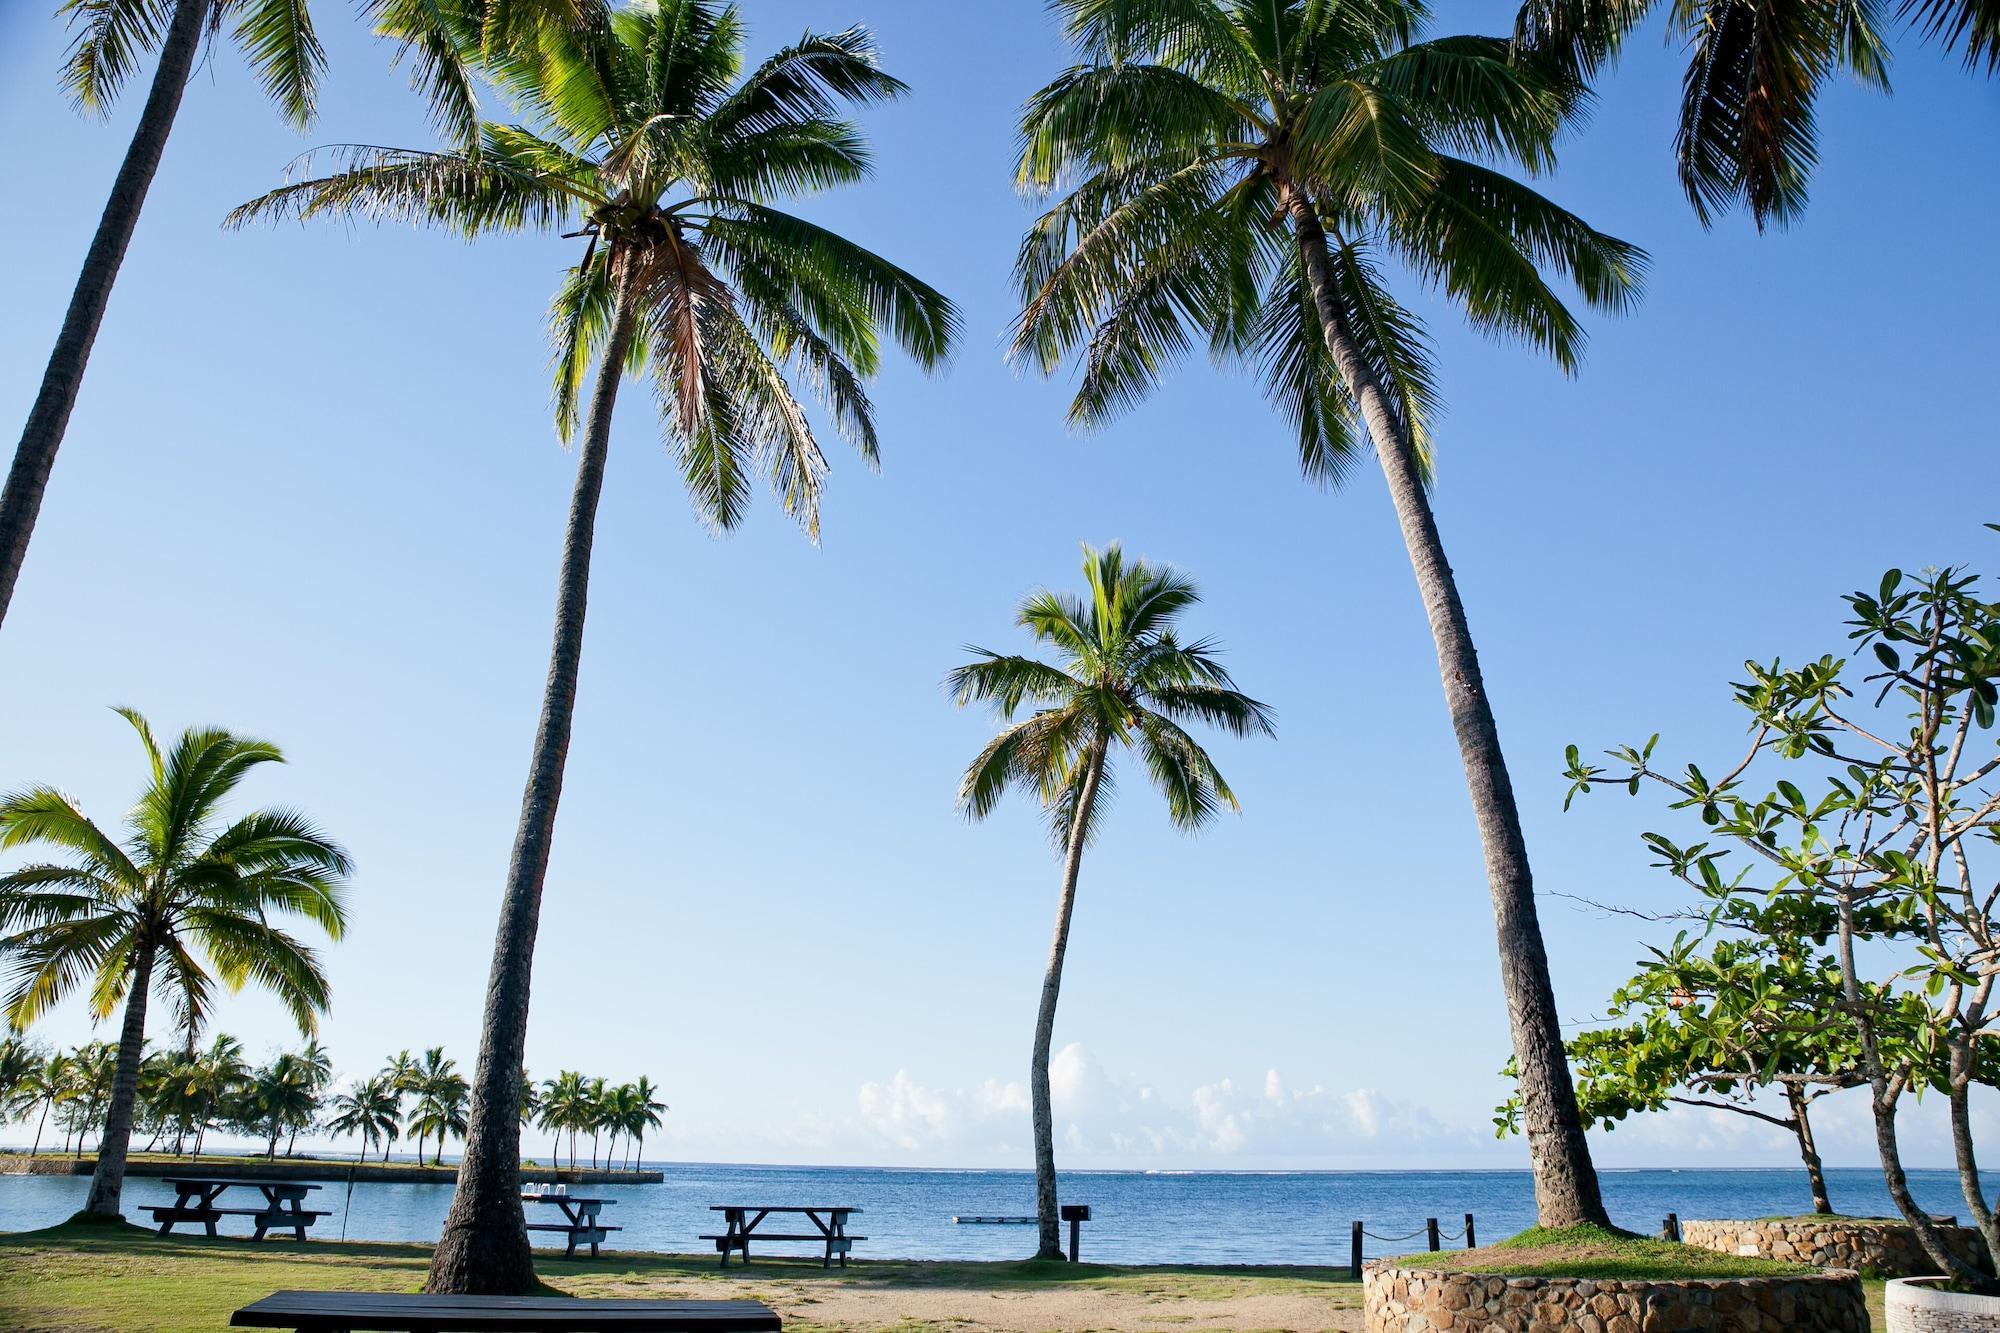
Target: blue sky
{"x":312,"y":493}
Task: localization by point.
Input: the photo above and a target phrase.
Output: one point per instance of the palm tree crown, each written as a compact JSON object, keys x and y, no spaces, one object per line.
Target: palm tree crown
{"x":1122,"y":677}
{"x":1748,"y":132}
{"x":1192,"y":131}
{"x":647,"y":139}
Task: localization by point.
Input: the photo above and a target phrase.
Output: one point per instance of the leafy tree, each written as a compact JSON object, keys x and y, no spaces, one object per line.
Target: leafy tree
{"x":646,"y":135}
{"x":278,"y":40}
{"x":1123,"y":678}
{"x":1895,"y":843}
{"x":1715,"y":1022}
{"x":370,"y":1110}
{"x":1236,"y":174}
{"x":1747,"y":131}
{"x":123,"y":919}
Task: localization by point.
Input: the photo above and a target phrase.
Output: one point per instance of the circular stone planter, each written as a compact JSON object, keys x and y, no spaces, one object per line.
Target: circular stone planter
{"x":1916,"y":1305}
{"x":1887,"y":1248}
{"x":1417,"y":1300}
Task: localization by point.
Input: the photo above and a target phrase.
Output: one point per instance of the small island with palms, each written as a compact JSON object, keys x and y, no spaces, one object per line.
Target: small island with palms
{"x":283,"y":478}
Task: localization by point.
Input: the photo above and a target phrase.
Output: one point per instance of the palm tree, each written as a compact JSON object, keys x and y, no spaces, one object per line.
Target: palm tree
{"x":596,"y":1112}
{"x":1237,"y":171}
{"x":564,"y":1105}
{"x":278,"y":40}
{"x":415,"y":1077}
{"x":647,"y":1113}
{"x":318,"y":1067}
{"x":126,"y":918}
{"x":1122,"y":678}
{"x":91,"y":1074}
{"x":441,"y":1093}
{"x":1747,"y":132}
{"x":48,"y":1084}
{"x":648,"y":138}
{"x":368,"y":1109}
{"x":20,"y":1064}
{"x":215,"y":1079}
{"x":282,"y":1095}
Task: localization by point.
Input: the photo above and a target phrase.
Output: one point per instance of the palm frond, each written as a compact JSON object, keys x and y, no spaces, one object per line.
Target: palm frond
{"x":110,"y":37}
{"x":278,"y":40}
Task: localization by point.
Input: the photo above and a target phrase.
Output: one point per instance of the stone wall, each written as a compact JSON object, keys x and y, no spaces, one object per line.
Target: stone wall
{"x":1915,"y":1306}
{"x":1411,"y":1300}
{"x":1880,"y":1249}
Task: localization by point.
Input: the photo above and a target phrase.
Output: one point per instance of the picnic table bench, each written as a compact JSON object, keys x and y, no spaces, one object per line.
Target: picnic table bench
{"x":195,"y":1196}
{"x":355,"y":1311}
{"x":741,"y":1221}
{"x":579,"y":1224}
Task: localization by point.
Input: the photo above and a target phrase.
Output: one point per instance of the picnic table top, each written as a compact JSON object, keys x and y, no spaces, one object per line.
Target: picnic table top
{"x":414,"y":1313}
{"x":564,"y":1198}
{"x":251,"y":1181}
{"x":781,"y":1208}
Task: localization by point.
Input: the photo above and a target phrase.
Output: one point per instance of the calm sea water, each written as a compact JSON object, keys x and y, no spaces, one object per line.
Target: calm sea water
{"x":1167,"y":1217}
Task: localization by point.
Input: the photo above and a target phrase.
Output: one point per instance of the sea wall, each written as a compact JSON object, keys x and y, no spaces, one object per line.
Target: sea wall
{"x":241,"y":1168}
{"x":1879,"y":1248}
{"x":1410,"y":1300}
{"x":1915,"y":1305}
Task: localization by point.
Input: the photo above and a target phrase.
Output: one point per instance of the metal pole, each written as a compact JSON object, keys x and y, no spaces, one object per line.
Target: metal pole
{"x":1357,"y":1251}
{"x":1470,"y":1243}
{"x":1075,"y":1226}
{"x":1431,"y":1229}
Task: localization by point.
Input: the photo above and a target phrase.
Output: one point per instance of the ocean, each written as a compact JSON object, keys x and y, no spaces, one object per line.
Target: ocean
{"x":1206,"y":1217}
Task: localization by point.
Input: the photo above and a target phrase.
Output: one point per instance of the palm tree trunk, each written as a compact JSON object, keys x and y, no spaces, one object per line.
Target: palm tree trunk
{"x":107,"y":1179}
{"x":35,"y":456}
{"x":484,"y":1249}
{"x":1808,"y":1150}
{"x":1048,"y":1222}
{"x":1566,"y":1190}
{"x":40,"y":1125}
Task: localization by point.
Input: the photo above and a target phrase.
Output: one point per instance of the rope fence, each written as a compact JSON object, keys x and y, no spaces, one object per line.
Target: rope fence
{"x":1434,"y":1237}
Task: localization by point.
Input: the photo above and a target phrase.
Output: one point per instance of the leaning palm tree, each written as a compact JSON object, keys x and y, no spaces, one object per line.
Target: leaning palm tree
{"x":1747,"y":132}
{"x":646,"y":136}
{"x":647,"y":1113}
{"x":1237,"y":172}
{"x":121,"y":919}
{"x":20,"y":1063}
{"x":49,"y":1083}
{"x":278,"y":40}
{"x":1124,"y":679}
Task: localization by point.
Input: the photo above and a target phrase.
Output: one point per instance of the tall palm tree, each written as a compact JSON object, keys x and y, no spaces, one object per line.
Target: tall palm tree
{"x":126,"y":918}
{"x":92,"y":1072}
{"x":19,"y":1065}
{"x":647,"y":136}
{"x":317,"y":1065}
{"x":1747,"y":131}
{"x":277,"y":38}
{"x":1236,"y":172}
{"x":416,"y":1077}
{"x":441,"y":1094}
{"x":368,"y":1110}
{"x":214,"y":1080}
{"x":596,"y":1112}
{"x":1123,"y":678}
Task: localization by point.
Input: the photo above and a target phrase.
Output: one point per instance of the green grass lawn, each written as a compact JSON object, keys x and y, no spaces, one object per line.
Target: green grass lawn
{"x":89,"y":1279}
{"x":1594,"y":1252}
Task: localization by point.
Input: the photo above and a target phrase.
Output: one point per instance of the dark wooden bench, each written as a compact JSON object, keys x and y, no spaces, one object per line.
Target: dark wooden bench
{"x":593,"y":1235}
{"x":355,"y":1311}
{"x":742,"y":1222}
{"x":295,"y":1220}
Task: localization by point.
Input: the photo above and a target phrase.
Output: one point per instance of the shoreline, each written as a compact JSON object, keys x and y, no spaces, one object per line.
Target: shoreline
{"x":154,"y":1166}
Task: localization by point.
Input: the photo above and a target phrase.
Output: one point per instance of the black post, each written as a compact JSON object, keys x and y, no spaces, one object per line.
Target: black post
{"x":1075,"y":1226}
{"x":1672,"y":1229}
{"x":1431,"y":1230}
{"x":1470,"y":1243}
{"x":1357,"y":1251}
{"x":1076,"y":1214}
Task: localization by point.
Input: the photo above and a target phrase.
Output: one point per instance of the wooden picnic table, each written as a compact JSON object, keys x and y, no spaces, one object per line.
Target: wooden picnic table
{"x":355,"y":1311}
{"x":579,"y":1222}
{"x":742,"y":1221}
{"x":195,"y":1196}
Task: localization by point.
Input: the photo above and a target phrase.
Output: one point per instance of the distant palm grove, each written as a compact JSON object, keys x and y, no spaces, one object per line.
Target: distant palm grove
{"x":185,"y":1094}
